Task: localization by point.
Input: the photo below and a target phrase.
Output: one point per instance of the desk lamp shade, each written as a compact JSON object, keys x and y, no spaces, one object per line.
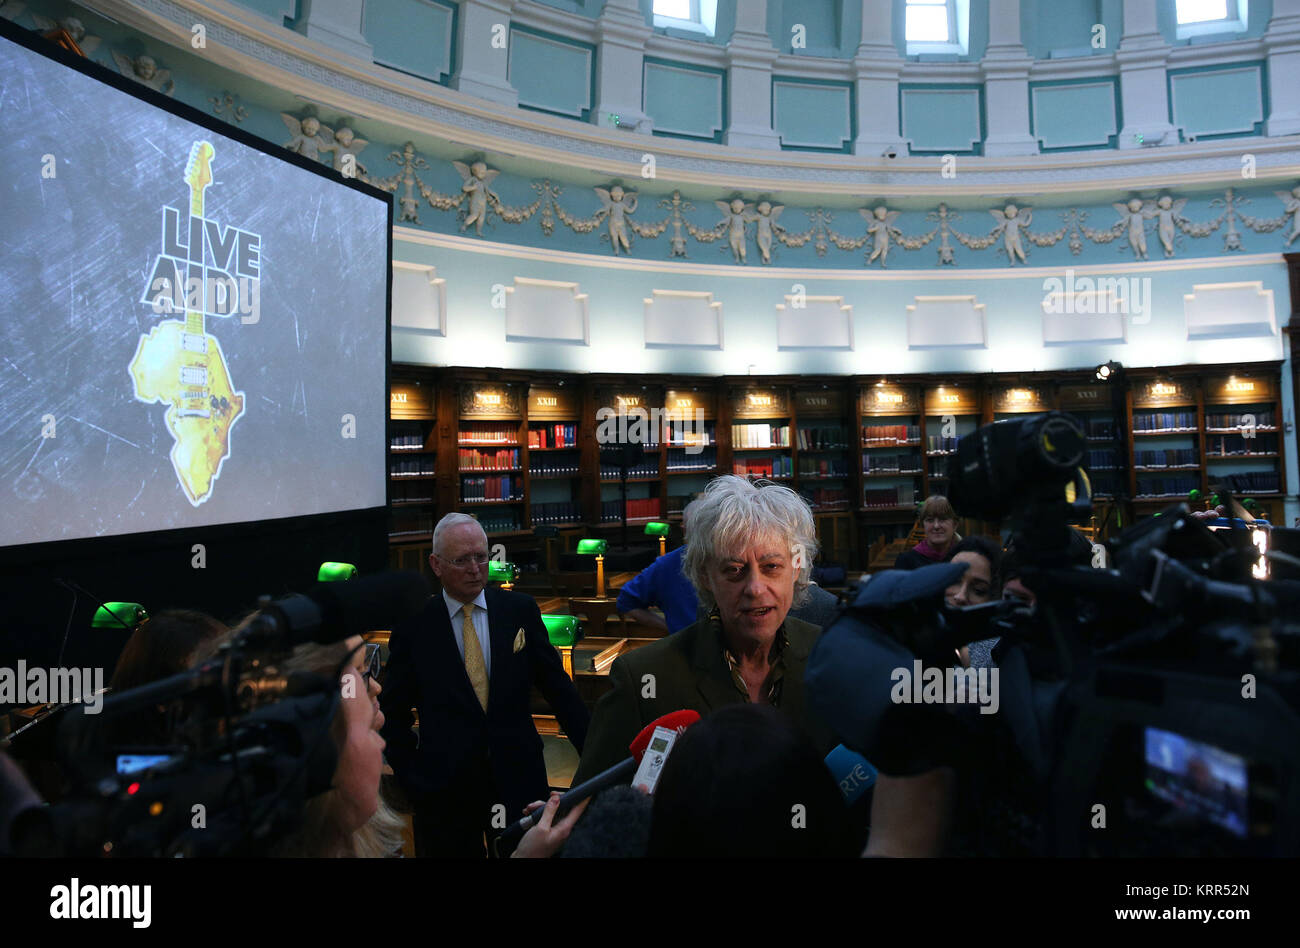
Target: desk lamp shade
{"x":335,"y":572}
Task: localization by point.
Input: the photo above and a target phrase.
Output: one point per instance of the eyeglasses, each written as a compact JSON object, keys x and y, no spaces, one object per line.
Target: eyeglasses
{"x":466,"y":561}
{"x":373,"y":663}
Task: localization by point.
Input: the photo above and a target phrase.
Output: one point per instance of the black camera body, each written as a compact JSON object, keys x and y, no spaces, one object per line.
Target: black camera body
{"x":1147,"y":709}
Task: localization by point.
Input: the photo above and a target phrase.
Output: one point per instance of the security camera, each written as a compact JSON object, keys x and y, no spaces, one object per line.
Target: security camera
{"x":890,"y":152}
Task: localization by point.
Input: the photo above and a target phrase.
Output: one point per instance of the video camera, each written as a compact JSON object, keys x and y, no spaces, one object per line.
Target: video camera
{"x":247,"y":742}
{"x":1148,"y":708}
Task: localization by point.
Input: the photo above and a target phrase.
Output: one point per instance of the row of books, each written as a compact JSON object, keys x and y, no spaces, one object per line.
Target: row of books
{"x":873,"y":435}
{"x":472,"y":459}
{"x":1234,"y":444}
{"x":643,"y":508}
{"x":936,"y":443}
{"x":1263,"y":419}
{"x":1254,"y":482}
{"x":1171,"y":457}
{"x":1102,"y":459}
{"x":827,"y":498}
{"x":476,"y":490}
{"x":763,"y":467}
{"x":558,"y":435}
{"x":486,"y":431}
{"x":1104,"y":485}
{"x":421,"y":466}
{"x":1099,"y":427}
{"x":413,"y":491}
{"x":399,"y":441}
{"x":822,"y":439}
{"x":680,"y":460}
{"x":405,"y":523}
{"x":648,"y":468}
{"x":549,"y":465}
{"x":1167,"y":486}
{"x":1164,"y":421}
{"x":823,"y":467}
{"x":499,"y":523}
{"x":760,"y":436}
{"x":555,"y":513}
{"x":689,"y":433}
{"x":904,"y":495}
{"x":891,"y":463}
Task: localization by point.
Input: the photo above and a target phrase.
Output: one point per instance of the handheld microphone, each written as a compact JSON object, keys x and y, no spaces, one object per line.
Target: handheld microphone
{"x":619,"y":773}
{"x":853,"y":773}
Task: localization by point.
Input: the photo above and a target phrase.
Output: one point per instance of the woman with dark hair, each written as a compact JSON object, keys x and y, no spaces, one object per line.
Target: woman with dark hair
{"x":940,"y":523}
{"x":979,"y":584}
{"x":746,"y":782}
{"x":166,"y":644}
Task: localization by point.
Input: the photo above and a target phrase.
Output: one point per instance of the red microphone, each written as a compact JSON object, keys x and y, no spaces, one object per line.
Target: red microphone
{"x":619,"y":773}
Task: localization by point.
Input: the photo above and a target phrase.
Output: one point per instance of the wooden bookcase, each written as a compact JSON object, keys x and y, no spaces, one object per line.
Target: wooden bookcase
{"x":821,"y":447}
{"x":690,"y":439}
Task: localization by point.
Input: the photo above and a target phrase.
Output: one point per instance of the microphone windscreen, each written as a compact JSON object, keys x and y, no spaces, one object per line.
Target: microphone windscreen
{"x":674,"y":721}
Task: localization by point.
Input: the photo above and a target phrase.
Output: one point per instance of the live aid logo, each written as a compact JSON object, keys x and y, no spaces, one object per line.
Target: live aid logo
{"x":1104,"y":296}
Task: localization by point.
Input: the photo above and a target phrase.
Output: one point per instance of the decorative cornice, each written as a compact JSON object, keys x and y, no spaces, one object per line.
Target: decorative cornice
{"x":257,"y":48}
{"x":493,"y":248}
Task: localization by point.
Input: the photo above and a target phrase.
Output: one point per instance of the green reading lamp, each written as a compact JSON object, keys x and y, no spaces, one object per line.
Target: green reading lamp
{"x":656,"y":528}
{"x":335,"y":572}
{"x":119,"y":615}
{"x":1194,"y":499}
{"x":503,"y":573}
{"x":561,"y":630}
{"x":597,"y":549}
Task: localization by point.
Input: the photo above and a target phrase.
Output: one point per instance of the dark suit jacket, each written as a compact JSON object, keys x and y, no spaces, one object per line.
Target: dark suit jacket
{"x":426,"y":671}
{"x":690,"y":674}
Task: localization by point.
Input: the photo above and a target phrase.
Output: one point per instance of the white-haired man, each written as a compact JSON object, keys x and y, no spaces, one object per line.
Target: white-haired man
{"x":468,"y":663}
{"x":749,"y":555}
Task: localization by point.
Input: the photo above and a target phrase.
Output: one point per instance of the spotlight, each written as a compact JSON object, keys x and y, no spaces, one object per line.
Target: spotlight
{"x":1106,"y":370}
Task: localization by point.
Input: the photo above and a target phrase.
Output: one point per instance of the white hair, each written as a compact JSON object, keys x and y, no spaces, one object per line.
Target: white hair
{"x":731,"y":513}
{"x":449,"y":522}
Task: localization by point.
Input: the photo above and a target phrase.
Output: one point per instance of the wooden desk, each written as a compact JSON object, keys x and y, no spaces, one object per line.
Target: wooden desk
{"x":618,"y":580}
{"x":592,"y":684}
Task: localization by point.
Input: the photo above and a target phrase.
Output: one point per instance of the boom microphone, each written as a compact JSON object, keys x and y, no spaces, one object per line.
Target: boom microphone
{"x":619,"y":773}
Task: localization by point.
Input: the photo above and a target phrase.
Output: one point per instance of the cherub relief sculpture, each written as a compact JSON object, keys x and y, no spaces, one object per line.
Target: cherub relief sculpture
{"x":1168,"y":210}
{"x":880,"y":224}
{"x":617,"y":205}
{"x":476,"y":180}
{"x":735,"y":215}
{"x":345,"y":143}
{"x":1134,"y":216}
{"x":144,"y":70}
{"x":309,"y":136}
{"x":1291,"y":208}
{"x":1010,"y":221}
{"x":76,"y":29}
{"x":766,"y":218}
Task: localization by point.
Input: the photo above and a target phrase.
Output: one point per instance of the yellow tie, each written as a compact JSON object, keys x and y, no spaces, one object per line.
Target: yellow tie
{"x":474,"y":666}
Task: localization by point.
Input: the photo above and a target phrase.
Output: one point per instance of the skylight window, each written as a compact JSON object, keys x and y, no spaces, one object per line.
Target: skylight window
{"x":694,"y":16}
{"x":929,"y":21}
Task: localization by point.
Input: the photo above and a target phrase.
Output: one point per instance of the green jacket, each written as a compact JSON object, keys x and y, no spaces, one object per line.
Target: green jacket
{"x":690,"y":673}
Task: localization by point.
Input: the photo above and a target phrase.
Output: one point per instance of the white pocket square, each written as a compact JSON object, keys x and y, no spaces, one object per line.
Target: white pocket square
{"x":519,"y":640}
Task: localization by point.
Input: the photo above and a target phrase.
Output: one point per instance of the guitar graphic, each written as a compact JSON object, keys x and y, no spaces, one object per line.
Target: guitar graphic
{"x":181,"y":366}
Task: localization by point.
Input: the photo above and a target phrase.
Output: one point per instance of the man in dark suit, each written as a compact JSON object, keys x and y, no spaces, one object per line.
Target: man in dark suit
{"x":467,"y":664}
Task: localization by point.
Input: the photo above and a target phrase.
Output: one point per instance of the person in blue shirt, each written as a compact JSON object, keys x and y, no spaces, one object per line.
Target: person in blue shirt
{"x":662,"y":584}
